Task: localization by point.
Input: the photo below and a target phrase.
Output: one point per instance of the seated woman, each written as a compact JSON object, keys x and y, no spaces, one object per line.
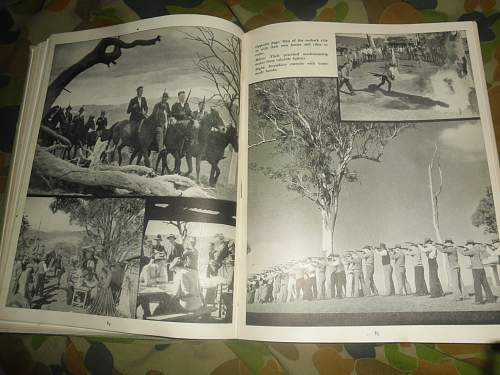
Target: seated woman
{"x":90,"y":282}
{"x":103,"y":303}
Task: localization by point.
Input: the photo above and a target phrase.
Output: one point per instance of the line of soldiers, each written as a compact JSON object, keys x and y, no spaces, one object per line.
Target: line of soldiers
{"x":93,"y":124}
{"x":352,"y":273}
{"x":162,"y":115}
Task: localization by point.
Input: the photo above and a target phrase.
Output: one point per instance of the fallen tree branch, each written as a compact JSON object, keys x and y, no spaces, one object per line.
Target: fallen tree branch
{"x":55,"y":135}
{"x":47,"y":165}
{"x":135,"y":169}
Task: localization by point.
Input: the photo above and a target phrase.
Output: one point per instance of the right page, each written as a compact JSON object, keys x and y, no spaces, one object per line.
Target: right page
{"x":372,"y":185}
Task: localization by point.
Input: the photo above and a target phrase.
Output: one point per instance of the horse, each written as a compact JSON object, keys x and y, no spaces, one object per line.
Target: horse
{"x":53,"y":119}
{"x":76,"y":132}
{"x":177,"y":142}
{"x":139,"y":137}
{"x":217,"y":141}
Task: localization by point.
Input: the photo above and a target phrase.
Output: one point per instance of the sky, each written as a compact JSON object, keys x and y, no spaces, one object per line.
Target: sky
{"x":169,"y":64}
{"x":41,"y":217}
{"x":390,"y":203}
{"x":195,"y":229}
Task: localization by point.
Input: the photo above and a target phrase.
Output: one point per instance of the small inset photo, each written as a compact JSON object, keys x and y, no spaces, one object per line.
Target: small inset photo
{"x":78,"y":255}
{"x":187,"y":265}
{"x":405,"y":77}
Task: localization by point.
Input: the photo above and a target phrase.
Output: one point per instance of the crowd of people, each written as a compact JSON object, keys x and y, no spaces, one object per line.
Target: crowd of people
{"x":194,"y":285}
{"x":88,"y":273}
{"x":351,"y":58}
{"x":351,"y":274}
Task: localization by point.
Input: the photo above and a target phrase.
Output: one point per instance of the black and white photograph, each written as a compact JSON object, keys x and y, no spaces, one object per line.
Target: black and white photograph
{"x":365,"y":223}
{"x":78,"y":255}
{"x":404,"y":77}
{"x":187,"y":265}
{"x":152,"y":113}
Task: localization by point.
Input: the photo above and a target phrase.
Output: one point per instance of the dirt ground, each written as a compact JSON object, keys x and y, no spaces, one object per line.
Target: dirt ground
{"x":377,"y":304}
{"x":421,"y":91}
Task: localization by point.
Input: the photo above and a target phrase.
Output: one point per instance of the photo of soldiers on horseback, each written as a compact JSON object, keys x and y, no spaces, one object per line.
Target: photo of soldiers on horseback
{"x":151,"y":134}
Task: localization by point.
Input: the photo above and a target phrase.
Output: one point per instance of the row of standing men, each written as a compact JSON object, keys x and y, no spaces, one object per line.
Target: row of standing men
{"x":352,"y":273}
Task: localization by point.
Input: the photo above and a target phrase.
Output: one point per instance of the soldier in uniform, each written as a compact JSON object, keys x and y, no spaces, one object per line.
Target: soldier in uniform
{"x":200,"y":112}
{"x":138,"y":107}
{"x":181,"y":110}
{"x":457,"y":284}
{"x":160,"y":116}
{"x":68,"y":115}
{"x":80,"y":116}
{"x":102,"y":121}
{"x":475,"y":251}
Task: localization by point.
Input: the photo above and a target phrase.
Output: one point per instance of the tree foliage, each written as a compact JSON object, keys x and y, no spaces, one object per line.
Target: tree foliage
{"x":300,"y":116}
{"x":221,"y":66}
{"x":113,"y":225}
{"x":484,"y":216}
{"x":182,"y":228}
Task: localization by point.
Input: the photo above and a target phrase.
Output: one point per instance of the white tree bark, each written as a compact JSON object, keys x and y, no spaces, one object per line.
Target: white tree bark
{"x":435,"y":212}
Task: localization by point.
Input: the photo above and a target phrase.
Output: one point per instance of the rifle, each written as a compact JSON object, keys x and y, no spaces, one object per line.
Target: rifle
{"x":187,"y":99}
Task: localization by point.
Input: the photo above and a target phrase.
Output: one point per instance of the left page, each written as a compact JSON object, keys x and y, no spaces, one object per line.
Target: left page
{"x":123,"y":202}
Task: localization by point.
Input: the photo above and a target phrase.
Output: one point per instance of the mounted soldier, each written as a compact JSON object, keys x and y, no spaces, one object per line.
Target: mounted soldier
{"x":181,"y":110}
{"x":102,"y":121}
{"x":68,"y":115}
{"x":160,"y":116}
{"x":137,"y":107}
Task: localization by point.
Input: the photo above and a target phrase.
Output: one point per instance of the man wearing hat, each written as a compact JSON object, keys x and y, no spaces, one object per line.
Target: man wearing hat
{"x":357,"y":269}
{"x":68,"y":116}
{"x":493,"y":249}
{"x":174,"y":250}
{"x":181,"y":110}
{"x":386,"y":265}
{"x":329,"y":277}
{"x":476,"y":253}
{"x":416,"y":253}
{"x":158,"y":247}
{"x":191,"y":254}
{"x":339,"y":277}
{"x":369,"y":260}
{"x":79,"y":119}
{"x":137,"y":107}
{"x":400,"y":269}
{"x":160,"y":116}
{"x":457,"y":283}
{"x":430,"y":250}
{"x":102,"y":122}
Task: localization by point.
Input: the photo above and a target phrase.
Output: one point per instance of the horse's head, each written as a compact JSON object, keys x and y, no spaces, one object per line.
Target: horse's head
{"x":232,"y":136}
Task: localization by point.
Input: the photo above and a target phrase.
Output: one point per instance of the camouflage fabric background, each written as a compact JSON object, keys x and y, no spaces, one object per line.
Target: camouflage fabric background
{"x":25,"y":22}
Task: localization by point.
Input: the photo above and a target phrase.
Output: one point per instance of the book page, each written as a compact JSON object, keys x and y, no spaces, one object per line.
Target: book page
{"x":372,"y":186}
{"x":123,"y":200}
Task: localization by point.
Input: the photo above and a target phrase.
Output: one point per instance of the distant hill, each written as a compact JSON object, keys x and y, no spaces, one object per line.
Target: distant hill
{"x":51,"y":238}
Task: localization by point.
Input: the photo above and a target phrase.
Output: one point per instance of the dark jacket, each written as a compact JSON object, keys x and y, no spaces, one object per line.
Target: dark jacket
{"x":158,"y":114}
{"x":180,"y":112}
{"x":102,"y":123}
{"x":137,"y":111}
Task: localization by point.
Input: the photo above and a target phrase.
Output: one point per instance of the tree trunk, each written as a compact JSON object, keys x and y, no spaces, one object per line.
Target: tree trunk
{"x":49,"y":166}
{"x":435,"y":215}
{"x":329,"y":218}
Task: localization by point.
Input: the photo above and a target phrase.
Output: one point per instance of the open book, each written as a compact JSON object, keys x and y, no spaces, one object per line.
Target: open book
{"x":300,"y":182}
